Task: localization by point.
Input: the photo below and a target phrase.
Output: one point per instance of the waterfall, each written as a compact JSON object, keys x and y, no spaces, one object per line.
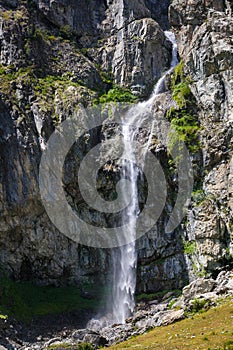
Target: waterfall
{"x":124,"y":258}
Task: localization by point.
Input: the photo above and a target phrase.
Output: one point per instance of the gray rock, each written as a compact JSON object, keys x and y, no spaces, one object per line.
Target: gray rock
{"x":224,"y":283}
{"x":197,"y":287}
{"x":208,"y":59}
{"x":2,"y":347}
{"x":171,"y":317}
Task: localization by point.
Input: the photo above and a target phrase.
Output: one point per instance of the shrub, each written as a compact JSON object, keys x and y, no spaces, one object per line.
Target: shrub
{"x":189,"y":247}
{"x":198,"y":196}
{"x":66,"y":32}
{"x":117,"y":94}
{"x":228,"y":345}
{"x":198,"y":305}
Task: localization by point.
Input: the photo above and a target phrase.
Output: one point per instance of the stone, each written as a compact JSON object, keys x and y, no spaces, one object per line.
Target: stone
{"x":224,"y":283}
{"x":199,"y":27}
{"x":168,"y":295}
{"x":171,"y":317}
{"x":197,"y":287}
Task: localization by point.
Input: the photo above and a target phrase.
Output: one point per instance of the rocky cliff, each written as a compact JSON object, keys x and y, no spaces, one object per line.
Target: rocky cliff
{"x":58,"y":55}
{"x":208,"y":58}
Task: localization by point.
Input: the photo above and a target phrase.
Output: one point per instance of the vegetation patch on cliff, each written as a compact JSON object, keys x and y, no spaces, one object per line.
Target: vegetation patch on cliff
{"x":183,"y":118}
{"x":117,"y":94}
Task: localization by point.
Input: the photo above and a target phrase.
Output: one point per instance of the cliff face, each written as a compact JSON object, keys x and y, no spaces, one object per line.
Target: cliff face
{"x":204,"y":32}
{"x":57,"y":55}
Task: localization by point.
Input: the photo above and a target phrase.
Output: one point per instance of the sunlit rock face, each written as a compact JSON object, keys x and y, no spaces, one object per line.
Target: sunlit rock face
{"x":203,"y":33}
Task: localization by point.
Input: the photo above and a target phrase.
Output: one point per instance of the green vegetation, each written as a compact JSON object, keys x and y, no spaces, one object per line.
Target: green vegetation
{"x":44,"y":87}
{"x":117,"y":94}
{"x":189,"y":247}
{"x":24,"y":300}
{"x":198,"y":196}
{"x":43,"y":35}
{"x":106,"y":77}
{"x":209,"y":330}
{"x":66,"y":32}
{"x":3,"y":317}
{"x":158,"y":295}
{"x":12,"y":15}
{"x":9,"y":74}
{"x":48,"y":84}
{"x":10,"y":301}
{"x":172,"y":302}
{"x":40,"y":34}
{"x":183,"y":118}
{"x":228,"y":345}
{"x":199,"y":305}
{"x":181,"y":92}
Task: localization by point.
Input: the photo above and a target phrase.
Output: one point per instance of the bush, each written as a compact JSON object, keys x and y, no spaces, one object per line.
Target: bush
{"x":198,"y":196}
{"x":66,"y":32}
{"x":228,"y":345}
{"x":117,"y":94}
{"x":189,"y":247}
{"x":199,"y":305}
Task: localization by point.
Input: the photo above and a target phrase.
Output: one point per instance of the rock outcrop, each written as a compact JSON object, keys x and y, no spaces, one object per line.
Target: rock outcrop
{"x":203,"y":31}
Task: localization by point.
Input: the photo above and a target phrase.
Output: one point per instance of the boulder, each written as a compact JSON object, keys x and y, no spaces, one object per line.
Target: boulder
{"x":171,"y":317}
{"x":197,"y":287}
{"x":224,"y":283}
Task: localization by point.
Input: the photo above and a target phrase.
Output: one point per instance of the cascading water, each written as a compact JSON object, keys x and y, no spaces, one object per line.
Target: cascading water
{"x":124,"y":258}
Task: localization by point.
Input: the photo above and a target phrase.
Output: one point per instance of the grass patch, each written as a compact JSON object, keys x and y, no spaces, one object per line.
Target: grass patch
{"x":158,"y":295}
{"x":24,"y":300}
{"x":214,"y":324}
